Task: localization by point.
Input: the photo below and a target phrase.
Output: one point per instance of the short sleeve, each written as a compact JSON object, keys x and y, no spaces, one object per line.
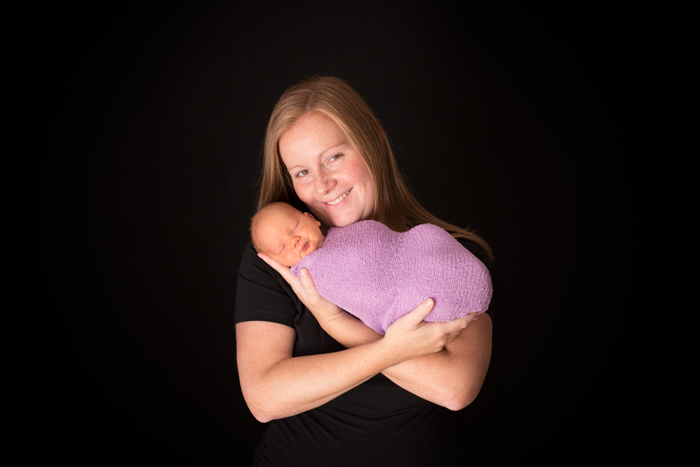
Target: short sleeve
{"x":262,"y":294}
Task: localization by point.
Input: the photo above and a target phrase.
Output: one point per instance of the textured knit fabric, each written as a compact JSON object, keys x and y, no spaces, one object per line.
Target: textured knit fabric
{"x":379,"y":275}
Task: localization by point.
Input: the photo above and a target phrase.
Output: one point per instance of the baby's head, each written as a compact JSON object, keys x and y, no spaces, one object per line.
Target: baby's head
{"x":285,"y":234}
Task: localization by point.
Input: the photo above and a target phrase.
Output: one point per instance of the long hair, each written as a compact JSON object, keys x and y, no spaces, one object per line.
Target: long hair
{"x":394,"y":205}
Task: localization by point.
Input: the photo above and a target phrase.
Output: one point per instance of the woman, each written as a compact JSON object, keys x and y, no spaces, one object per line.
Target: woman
{"x":334,"y":391}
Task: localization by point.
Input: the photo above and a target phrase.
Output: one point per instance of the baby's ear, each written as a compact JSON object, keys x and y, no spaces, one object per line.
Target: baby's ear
{"x":308,"y":214}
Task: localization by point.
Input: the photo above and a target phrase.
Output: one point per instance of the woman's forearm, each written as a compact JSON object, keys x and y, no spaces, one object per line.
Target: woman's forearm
{"x":451,"y":377}
{"x":277,"y":385}
{"x":299,"y":384}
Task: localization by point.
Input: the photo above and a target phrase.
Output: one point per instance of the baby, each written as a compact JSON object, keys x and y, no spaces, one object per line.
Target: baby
{"x":285,"y":234}
{"x":372,"y":272}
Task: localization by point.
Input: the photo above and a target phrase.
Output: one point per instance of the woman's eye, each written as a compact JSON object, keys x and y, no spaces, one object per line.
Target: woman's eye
{"x":302,"y":173}
{"x":336,"y":157}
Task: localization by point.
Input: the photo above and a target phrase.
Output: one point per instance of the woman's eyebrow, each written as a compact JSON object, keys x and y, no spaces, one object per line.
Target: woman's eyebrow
{"x":332,"y":148}
{"x":335,"y":147}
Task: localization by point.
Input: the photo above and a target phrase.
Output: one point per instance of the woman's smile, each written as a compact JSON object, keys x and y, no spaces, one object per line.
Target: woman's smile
{"x":339,"y":199}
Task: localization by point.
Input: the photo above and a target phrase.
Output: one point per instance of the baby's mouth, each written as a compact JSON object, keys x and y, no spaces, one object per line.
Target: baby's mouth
{"x":305,"y":247}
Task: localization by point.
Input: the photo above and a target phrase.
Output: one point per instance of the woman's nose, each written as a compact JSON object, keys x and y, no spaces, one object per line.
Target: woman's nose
{"x":324,"y":182}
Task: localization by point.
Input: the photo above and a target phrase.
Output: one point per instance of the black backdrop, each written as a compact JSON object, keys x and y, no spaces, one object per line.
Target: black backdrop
{"x":503,"y":118}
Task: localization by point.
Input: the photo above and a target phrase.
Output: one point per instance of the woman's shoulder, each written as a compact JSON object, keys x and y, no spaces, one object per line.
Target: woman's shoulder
{"x":250,"y":262}
{"x":255,"y":269}
{"x":477,"y":250}
{"x":261,"y":293}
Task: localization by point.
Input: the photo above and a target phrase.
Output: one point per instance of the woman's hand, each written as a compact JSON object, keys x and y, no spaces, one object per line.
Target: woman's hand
{"x":417,"y":337}
{"x":305,"y":289}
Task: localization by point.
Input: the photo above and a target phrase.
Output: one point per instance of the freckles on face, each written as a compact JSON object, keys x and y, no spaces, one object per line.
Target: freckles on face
{"x":329,"y":174}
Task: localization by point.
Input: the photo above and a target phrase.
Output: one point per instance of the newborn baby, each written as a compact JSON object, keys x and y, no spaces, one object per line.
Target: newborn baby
{"x":285,"y":234}
{"x":372,"y":272}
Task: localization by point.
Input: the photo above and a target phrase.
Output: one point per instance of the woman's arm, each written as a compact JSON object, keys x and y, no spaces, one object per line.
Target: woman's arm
{"x":277,"y":385}
{"x":451,"y":377}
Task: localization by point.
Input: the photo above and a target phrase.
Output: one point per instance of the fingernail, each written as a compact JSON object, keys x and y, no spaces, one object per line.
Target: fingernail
{"x":304,"y":273}
{"x":428,"y":303}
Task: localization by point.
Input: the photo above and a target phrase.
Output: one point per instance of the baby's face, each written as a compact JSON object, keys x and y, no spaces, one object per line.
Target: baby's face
{"x":287,"y":235}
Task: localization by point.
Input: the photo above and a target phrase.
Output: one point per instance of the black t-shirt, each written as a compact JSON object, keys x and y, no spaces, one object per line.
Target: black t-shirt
{"x":375,"y":423}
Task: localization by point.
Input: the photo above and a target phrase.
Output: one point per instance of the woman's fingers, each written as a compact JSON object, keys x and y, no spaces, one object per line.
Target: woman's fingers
{"x":415,"y":337}
{"x":306,"y":279}
{"x":456,"y":326}
{"x":309,"y":287}
{"x":435,"y":335}
{"x":421,"y":312}
{"x":460,"y":323}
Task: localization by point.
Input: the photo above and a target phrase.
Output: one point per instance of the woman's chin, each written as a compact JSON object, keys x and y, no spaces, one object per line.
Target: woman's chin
{"x":342,"y":222}
{"x":342,"y":217}
{"x":348,"y":218}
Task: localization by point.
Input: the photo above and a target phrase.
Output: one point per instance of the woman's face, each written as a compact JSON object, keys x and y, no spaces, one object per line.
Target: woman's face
{"x":329,"y":175}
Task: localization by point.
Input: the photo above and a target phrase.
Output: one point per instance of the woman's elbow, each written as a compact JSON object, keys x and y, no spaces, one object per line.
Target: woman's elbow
{"x":459,"y":404}
{"x":262,"y":409}
{"x":461,"y":399}
{"x":262,"y":417}
{"x":262,"y":412}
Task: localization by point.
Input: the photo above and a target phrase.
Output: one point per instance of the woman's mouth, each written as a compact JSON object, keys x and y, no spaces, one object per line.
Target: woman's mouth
{"x":340,"y":198}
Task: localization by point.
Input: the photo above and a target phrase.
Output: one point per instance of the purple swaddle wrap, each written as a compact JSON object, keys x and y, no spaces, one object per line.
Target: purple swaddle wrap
{"x":379,"y":275}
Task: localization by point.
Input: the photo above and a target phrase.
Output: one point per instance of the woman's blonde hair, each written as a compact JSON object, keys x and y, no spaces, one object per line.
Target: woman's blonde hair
{"x":394,"y":205}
